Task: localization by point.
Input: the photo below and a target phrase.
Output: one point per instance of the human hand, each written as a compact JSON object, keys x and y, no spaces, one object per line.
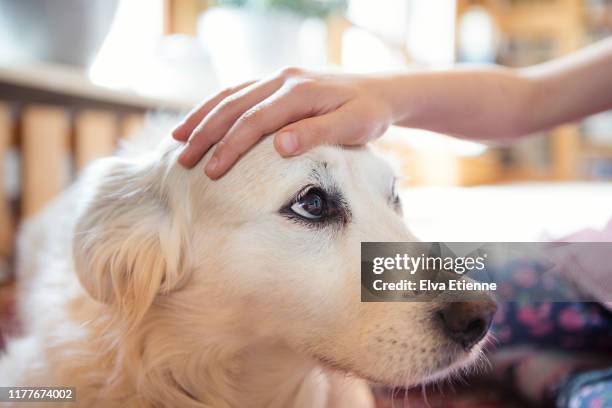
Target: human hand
{"x":306,"y":109}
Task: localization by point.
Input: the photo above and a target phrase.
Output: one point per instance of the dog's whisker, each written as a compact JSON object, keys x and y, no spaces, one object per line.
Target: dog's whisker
{"x":424,"y":395}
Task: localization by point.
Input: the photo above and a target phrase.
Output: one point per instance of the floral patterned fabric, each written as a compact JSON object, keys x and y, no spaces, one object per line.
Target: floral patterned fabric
{"x":540,"y":375}
{"x":568,"y":326}
{"x":548,"y":349}
{"x":587,"y":390}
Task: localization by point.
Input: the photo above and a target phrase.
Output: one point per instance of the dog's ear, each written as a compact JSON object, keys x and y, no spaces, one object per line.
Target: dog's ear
{"x":129,"y":244}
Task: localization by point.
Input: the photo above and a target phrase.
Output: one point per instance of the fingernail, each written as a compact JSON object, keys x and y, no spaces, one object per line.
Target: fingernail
{"x":212,"y":165}
{"x":288,"y":142}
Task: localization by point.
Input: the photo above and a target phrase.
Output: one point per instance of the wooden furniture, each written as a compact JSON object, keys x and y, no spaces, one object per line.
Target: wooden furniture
{"x":181,"y":16}
{"x":44,"y":147}
{"x":534,"y":31}
{"x":6,"y":219}
{"x":53,"y":122}
{"x":561,"y":22}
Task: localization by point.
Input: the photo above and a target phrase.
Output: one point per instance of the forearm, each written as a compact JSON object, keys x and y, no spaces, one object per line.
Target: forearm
{"x":494,"y":102}
{"x":571,"y":87}
{"x":305,"y":109}
{"x":474,"y":103}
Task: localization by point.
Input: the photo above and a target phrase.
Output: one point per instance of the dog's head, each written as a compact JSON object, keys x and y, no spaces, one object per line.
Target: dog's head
{"x":269,"y":251}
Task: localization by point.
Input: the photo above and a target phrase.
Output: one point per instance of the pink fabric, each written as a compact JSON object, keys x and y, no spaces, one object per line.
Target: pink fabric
{"x":594,"y":272}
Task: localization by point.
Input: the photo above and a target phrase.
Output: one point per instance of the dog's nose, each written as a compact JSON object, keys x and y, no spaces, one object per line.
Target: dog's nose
{"x":468,"y":322}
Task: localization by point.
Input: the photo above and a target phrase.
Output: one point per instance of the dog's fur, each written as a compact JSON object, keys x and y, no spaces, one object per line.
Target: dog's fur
{"x":194,"y":293}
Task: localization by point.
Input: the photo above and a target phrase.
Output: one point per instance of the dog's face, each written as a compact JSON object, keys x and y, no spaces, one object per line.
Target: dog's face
{"x":270,"y":251}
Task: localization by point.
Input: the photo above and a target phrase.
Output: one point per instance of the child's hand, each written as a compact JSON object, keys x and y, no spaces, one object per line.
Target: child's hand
{"x":307,"y":109}
{"x":481,"y":103}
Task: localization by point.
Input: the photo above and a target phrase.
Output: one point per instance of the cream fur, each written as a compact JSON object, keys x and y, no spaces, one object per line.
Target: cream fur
{"x":192,"y":293}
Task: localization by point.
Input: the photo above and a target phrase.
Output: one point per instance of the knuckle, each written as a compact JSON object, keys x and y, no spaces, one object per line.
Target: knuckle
{"x":228,"y":104}
{"x":226,"y":92}
{"x":227,"y":148}
{"x":252,"y":117}
{"x":289,"y":72}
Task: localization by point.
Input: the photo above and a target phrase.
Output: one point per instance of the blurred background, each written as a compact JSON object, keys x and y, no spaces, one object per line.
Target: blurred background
{"x":77,"y":76}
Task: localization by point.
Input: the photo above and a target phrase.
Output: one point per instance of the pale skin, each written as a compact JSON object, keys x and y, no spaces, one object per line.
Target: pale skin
{"x":307,"y":109}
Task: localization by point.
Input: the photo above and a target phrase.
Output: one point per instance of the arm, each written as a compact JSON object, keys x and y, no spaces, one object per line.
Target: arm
{"x":486,"y":103}
{"x":493,"y":103}
{"x":307,"y":109}
{"x":571,"y":87}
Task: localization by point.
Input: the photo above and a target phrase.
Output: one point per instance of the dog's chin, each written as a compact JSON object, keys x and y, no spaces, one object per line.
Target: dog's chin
{"x":448,"y":365}
{"x":459,"y":362}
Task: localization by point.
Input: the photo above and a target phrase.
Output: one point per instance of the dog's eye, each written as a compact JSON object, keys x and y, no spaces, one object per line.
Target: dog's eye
{"x":311,"y":205}
{"x":315,"y":207}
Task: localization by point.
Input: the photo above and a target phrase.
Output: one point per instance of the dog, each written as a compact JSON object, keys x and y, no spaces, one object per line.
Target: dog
{"x":147,"y":285}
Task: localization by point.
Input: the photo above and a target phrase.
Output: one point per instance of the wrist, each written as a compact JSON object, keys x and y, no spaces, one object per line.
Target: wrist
{"x":393,"y":91}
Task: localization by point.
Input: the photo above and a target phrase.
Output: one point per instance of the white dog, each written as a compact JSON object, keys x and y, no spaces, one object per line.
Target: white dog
{"x":147,"y":284}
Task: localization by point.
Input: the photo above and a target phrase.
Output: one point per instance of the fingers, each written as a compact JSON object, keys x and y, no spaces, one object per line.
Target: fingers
{"x":281,"y":108}
{"x":219,"y":120}
{"x":347,"y":125}
{"x":183,"y":130}
{"x":309,"y":110}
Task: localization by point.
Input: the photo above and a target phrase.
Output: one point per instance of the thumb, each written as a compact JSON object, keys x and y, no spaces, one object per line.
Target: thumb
{"x":338,"y":127}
